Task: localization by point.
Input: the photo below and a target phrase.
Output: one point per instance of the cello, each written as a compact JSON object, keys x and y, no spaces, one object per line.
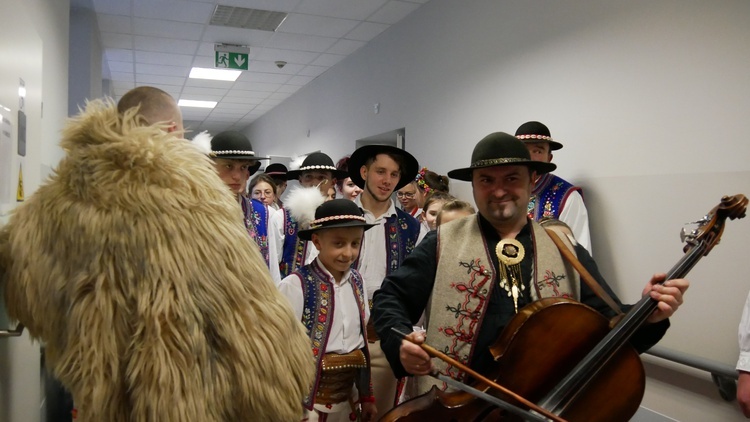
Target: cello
{"x":593,"y":374}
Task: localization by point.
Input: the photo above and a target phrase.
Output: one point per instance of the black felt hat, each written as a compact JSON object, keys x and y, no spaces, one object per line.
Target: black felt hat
{"x":317,"y":161}
{"x":233,"y":145}
{"x":533,"y":132}
{"x":277,"y":171}
{"x":500,"y":149}
{"x":362,"y":154}
{"x":335,"y":214}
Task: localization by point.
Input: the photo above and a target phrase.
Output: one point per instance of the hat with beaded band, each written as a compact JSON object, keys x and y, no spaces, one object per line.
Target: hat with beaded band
{"x":233,"y":145}
{"x":500,"y":149}
{"x":535,"y":132}
{"x":320,"y":162}
{"x":337,"y":213}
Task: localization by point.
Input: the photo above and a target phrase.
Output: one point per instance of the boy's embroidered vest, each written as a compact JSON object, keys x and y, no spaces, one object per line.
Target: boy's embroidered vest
{"x":464,"y":281}
{"x":317,"y":316}
{"x":294,"y":249}
{"x":549,"y":196}
{"x":256,"y":222}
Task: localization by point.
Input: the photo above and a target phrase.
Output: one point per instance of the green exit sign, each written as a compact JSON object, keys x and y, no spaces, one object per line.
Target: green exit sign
{"x":229,"y":60}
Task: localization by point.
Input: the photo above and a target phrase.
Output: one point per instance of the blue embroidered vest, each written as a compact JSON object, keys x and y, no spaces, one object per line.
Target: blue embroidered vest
{"x":294,"y":249}
{"x":317,"y":316}
{"x":401,"y":235}
{"x":548,"y":197}
{"x":256,"y":222}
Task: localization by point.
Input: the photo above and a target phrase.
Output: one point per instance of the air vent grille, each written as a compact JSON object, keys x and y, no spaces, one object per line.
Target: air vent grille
{"x":242,"y":17}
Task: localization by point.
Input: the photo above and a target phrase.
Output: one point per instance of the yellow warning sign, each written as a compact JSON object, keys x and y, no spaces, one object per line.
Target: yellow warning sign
{"x":19,"y":191}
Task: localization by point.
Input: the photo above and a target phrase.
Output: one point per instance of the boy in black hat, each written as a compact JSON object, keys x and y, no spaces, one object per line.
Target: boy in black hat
{"x":480,"y":270}
{"x":380,"y":170}
{"x":554,"y":197}
{"x":235,"y":161}
{"x":328,"y":296}
{"x":316,"y":171}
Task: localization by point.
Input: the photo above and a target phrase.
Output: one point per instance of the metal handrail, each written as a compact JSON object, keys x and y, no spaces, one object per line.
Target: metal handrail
{"x":16,"y":332}
{"x":723,"y":375}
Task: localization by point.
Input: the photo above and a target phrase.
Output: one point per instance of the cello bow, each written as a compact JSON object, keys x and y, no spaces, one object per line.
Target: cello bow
{"x":438,"y":354}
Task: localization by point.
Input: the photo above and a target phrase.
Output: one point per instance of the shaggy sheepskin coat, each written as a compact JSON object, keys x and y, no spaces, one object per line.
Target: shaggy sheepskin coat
{"x":132,"y":264}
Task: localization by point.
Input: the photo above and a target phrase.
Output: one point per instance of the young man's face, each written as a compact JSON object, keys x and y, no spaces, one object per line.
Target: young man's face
{"x":381,"y":177}
{"x":323,"y":179}
{"x":338,"y":247}
{"x":234,"y":173}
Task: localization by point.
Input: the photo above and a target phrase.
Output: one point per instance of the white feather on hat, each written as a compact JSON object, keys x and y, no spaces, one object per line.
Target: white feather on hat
{"x":302,"y":203}
{"x":202,"y":141}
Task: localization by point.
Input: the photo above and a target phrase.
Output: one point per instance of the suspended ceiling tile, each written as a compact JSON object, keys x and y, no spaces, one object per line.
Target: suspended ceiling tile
{"x":300,"y":80}
{"x":150,"y":57}
{"x":119,"y":54}
{"x":347,"y":9}
{"x":158,"y":79}
{"x":240,"y":95}
{"x":115,"y":66}
{"x":208,"y":83}
{"x":263,"y":77}
{"x":256,"y":86}
{"x":167,"y":29}
{"x":317,"y":25}
{"x":112,"y":40}
{"x":165,"y":45}
{"x":301,"y":42}
{"x":313,"y":71}
{"x":195,"y":91}
{"x":181,"y":11}
{"x":122,"y":76}
{"x":155,"y":69}
{"x":289,"y":56}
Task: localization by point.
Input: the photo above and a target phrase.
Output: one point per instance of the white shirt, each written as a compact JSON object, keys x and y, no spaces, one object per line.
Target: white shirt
{"x":276,"y":231}
{"x":574,"y":214}
{"x":346,"y":331}
{"x":372,"y":255}
{"x":743,"y":364}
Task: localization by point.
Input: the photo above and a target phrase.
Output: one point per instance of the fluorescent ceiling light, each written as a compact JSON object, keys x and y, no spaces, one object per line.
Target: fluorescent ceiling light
{"x":196,"y":103}
{"x":215,"y":74}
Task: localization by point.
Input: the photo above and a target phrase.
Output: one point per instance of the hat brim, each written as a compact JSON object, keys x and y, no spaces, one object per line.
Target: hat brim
{"x":336,"y":174}
{"x":238,"y":157}
{"x":362,"y":154}
{"x":466,"y":174}
{"x":307,"y":233}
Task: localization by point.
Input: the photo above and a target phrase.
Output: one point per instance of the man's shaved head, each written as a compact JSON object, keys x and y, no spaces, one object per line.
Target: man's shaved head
{"x":156,"y":106}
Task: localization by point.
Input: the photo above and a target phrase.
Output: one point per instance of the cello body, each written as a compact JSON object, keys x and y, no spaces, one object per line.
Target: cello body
{"x":535,"y":351}
{"x":567,"y":358}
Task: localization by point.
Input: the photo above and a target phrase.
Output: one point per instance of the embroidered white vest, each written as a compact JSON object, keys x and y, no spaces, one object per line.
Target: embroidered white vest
{"x":464,"y":281}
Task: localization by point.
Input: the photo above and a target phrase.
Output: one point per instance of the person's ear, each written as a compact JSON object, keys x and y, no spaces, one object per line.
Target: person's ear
{"x":172,"y":127}
{"x":315,"y":239}
{"x":363,"y":172}
{"x":550,"y":158}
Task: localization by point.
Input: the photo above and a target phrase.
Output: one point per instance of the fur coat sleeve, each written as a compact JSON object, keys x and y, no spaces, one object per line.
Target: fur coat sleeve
{"x":133,"y":265}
